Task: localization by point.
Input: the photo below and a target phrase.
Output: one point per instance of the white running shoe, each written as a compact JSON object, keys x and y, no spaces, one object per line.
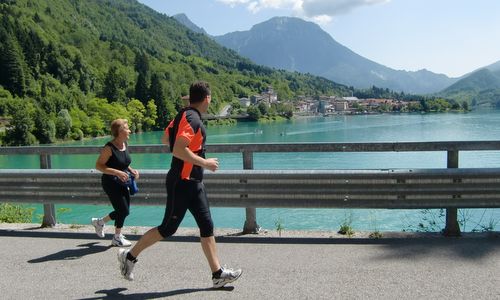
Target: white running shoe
{"x":227,"y":276}
{"x":120,"y":241}
{"x":126,"y":266}
{"x":99,"y":226}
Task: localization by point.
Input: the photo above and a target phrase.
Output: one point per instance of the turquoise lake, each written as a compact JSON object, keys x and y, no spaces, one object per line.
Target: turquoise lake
{"x":477,"y":125}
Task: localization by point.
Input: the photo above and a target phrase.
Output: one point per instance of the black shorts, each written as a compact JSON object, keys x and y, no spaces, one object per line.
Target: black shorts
{"x":181,"y":196}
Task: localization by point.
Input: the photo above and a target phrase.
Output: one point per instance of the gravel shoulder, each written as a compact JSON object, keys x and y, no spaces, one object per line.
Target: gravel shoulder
{"x":229,"y":232}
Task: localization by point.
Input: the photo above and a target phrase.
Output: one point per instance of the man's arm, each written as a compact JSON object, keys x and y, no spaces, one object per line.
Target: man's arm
{"x":181,"y":151}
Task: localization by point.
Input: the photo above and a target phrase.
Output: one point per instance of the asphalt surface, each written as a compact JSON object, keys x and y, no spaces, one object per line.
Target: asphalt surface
{"x":50,"y":264}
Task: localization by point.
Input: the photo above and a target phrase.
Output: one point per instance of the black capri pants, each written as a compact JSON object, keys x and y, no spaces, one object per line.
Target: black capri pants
{"x":119,"y":197}
{"x":181,"y":196}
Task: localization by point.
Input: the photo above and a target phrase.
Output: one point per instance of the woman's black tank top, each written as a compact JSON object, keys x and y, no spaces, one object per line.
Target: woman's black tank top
{"x":119,"y":160}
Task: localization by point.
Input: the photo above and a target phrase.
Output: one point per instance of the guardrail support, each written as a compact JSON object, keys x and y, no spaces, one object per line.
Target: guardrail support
{"x":452,"y":228}
{"x":49,"y":210}
{"x":251,"y":225}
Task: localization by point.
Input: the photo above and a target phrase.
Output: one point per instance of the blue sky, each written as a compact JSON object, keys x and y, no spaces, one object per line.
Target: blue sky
{"x":452,"y":37}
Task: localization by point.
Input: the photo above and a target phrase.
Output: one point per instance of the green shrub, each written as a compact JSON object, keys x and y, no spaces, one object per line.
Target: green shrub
{"x":10,"y":213}
{"x":279,"y":226}
{"x":346,"y":226}
{"x":346,"y":229}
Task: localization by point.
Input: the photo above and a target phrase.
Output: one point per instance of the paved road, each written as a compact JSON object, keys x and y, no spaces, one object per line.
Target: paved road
{"x":41,"y":264}
{"x":224,"y":111}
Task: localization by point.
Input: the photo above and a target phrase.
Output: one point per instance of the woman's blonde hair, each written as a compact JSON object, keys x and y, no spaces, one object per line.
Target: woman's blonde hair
{"x":118,"y":125}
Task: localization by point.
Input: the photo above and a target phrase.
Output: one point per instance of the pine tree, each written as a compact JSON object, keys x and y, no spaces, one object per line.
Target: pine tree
{"x":12,"y":76}
{"x":141,"y":89}
{"x":157,"y":94}
{"x":142,"y":63}
{"x":141,"y":86}
{"x":111,"y":90}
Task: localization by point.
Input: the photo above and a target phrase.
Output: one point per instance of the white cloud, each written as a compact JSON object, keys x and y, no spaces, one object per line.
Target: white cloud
{"x":322,"y":20}
{"x":257,"y":5}
{"x":233,"y":3}
{"x":314,"y":8}
{"x":321,"y":11}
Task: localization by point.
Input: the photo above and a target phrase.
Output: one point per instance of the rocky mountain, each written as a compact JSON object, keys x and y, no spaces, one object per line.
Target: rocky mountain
{"x":297,"y":45}
{"x":184,"y":20}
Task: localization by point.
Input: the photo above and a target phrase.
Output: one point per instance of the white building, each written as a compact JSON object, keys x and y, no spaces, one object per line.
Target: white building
{"x":244,"y":102}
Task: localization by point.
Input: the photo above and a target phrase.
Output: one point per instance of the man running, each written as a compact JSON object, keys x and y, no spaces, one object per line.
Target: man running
{"x":185,"y":190}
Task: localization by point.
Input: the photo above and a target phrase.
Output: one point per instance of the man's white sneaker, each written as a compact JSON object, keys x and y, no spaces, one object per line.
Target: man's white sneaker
{"x":126,"y":266}
{"x":227,"y":276}
{"x":99,"y":226}
{"x":120,"y":241}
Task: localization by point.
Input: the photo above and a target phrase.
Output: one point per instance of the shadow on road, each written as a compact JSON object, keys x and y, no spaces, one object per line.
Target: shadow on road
{"x":448,"y":248}
{"x":117,"y":293}
{"x":469,"y":246}
{"x":68,"y":254}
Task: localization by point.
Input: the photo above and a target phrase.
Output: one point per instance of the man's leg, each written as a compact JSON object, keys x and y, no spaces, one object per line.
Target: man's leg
{"x":149,"y":238}
{"x":171,"y":220}
{"x":128,"y":258}
{"x":210,"y":249}
{"x":201,"y":212}
{"x":220,"y":276}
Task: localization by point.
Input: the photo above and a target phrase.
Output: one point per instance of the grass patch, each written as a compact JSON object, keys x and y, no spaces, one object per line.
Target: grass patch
{"x":279,"y":226}
{"x":12,"y":213}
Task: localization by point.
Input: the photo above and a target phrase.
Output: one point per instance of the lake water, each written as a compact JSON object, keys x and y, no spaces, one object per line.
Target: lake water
{"x":478,"y":125}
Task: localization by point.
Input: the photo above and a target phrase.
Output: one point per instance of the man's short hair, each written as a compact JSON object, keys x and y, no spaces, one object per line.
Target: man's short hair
{"x":198,"y":91}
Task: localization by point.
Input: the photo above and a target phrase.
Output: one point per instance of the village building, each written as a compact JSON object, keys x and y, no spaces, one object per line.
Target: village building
{"x":341,"y":106}
{"x":268,"y":97}
{"x":327,"y":105}
{"x":245,"y":102}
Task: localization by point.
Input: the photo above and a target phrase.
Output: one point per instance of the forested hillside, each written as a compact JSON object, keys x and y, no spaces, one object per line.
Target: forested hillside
{"x":69,"y":67}
{"x":480,"y":89}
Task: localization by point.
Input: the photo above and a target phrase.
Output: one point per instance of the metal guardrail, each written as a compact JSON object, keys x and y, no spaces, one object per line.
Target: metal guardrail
{"x":393,"y":189}
{"x":427,"y":188}
{"x":275,"y":147}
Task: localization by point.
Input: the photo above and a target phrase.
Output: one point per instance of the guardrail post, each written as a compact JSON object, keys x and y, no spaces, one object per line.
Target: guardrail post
{"x":452,"y":228}
{"x":49,"y":210}
{"x":251,"y":225}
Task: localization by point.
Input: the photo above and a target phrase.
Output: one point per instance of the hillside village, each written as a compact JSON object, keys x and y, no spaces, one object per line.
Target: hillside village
{"x":326,"y":105}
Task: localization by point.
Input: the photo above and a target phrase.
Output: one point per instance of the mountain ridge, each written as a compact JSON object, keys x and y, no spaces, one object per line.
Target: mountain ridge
{"x":184,"y":20}
{"x":294,"y":44}
{"x":480,"y":88}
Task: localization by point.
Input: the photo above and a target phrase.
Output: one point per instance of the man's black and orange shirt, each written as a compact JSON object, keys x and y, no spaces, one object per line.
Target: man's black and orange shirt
{"x":188,"y":125}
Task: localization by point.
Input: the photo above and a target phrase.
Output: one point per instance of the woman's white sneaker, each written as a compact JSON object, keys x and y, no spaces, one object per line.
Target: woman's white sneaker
{"x":98,"y":226}
{"x":120,"y":241}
